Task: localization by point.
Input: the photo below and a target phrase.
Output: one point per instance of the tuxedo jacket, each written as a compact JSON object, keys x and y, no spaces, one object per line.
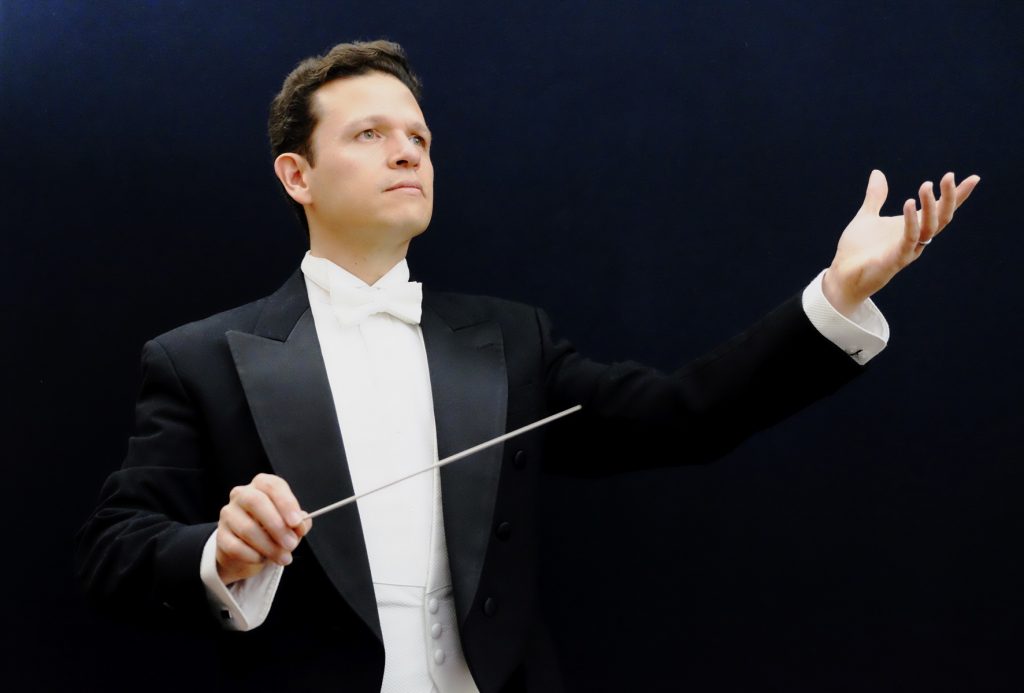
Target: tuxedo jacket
{"x":246,"y":391}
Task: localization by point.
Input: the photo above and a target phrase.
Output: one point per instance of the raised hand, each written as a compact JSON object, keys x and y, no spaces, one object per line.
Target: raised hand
{"x":873,"y":248}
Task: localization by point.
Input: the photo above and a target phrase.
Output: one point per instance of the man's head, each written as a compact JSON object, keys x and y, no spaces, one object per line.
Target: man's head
{"x":345,"y":130}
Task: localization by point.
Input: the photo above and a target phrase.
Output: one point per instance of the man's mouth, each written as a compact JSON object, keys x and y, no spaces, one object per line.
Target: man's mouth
{"x":406,"y":185}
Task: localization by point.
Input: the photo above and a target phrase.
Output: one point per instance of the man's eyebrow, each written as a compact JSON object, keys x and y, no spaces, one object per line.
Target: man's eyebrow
{"x":375,"y":120}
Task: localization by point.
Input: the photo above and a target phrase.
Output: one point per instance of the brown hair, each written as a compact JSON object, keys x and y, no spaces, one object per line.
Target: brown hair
{"x":292,"y":118}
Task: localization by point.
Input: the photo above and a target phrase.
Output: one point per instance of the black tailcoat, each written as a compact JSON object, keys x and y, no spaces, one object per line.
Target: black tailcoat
{"x":246,"y":391}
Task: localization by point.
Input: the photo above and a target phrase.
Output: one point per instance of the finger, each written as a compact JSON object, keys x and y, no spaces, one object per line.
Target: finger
{"x":258,"y":506}
{"x":947,"y":200}
{"x":911,"y":227}
{"x":877,"y":191}
{"x":241,"y":524}
{"x":231,"y":549}
{"x":281,"y":495}
{"x":929,"y":212}
{"x":965,"y":189}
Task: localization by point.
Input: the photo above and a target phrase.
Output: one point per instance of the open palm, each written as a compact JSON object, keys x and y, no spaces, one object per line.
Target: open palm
{"x":873,"y":248}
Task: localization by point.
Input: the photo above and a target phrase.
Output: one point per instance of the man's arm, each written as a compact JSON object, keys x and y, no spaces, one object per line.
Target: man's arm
{"x":140,"y":552}
{"x":775,"y":368}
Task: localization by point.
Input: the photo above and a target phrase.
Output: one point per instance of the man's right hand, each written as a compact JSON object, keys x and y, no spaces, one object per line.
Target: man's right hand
{"x":261,"y":522}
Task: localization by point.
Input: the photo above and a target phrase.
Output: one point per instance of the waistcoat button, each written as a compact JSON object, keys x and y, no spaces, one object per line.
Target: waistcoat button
{"x":490,"y":606}
{"x":504,"y":531}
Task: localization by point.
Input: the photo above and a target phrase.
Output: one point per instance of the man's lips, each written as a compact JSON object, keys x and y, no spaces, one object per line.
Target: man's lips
{"x":406,"y":185}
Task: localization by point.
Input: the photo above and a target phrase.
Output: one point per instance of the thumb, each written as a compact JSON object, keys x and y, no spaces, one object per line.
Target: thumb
{"x":877,"y":191}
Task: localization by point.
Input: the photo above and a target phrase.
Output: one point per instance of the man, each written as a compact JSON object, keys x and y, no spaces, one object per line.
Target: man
{"x":343,"y":380}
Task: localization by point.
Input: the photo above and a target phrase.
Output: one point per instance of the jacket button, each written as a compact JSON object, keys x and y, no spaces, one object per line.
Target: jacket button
{"x":504,"y":531}
{"x":520,"y":459}
{"x":490,"y":606}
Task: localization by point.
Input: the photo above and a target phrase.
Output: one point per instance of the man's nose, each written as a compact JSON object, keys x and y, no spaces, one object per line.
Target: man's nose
{"x":406,"y":154}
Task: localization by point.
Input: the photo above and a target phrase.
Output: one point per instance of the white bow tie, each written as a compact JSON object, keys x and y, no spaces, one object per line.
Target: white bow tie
{"x":353,"y":303}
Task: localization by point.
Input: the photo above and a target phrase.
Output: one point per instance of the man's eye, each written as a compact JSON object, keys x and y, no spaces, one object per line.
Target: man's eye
{"x":367,"y":135}
{"x":418,"y":141}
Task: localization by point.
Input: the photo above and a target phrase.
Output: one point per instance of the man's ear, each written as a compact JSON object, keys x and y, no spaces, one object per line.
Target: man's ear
{"x":291,"y":170}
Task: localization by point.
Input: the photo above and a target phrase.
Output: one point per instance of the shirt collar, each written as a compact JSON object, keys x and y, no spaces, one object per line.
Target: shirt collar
{"x":325,"y":273}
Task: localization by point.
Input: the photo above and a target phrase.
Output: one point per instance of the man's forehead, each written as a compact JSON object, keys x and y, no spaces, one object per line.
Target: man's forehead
{"x":373,"y":95}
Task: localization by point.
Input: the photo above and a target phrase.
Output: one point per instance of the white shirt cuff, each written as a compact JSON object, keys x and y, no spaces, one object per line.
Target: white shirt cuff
{"x":245,"y":604}
{"x":862,"y":336}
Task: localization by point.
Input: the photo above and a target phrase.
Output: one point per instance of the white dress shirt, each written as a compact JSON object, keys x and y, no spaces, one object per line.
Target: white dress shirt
{"x":377,"y":371}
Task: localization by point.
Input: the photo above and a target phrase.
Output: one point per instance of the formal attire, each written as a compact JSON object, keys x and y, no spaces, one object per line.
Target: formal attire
{"x":250,"y":391}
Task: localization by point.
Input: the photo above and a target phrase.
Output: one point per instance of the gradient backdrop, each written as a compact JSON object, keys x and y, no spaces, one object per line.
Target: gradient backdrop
{"x":656,"y":175}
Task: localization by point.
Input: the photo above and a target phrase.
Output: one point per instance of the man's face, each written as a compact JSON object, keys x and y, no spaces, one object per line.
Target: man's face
{"x":373,"y":181}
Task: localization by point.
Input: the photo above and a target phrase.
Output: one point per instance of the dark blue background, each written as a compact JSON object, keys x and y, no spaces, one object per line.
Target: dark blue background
{"x":656,"y":175}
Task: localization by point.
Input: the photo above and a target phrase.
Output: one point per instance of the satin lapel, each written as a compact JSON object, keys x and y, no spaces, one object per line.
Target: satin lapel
{"x":470,"y":390}
{"x":285,"y":382}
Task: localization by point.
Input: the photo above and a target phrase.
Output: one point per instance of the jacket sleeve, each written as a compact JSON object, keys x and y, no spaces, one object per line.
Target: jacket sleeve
{"x":139,"y":552}
{"x":634,"y":416}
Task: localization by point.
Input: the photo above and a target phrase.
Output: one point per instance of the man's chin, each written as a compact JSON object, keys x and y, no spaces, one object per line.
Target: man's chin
{"x":397,"y":227}
{"x":407,"y":227}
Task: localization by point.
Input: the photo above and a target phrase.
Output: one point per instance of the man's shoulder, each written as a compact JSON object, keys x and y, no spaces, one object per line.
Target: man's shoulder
{"x":214,"y":326}
{"x":290,"y":299}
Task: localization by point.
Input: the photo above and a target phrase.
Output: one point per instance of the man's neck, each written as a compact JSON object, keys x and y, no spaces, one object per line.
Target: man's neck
{"x":369,"y":264}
